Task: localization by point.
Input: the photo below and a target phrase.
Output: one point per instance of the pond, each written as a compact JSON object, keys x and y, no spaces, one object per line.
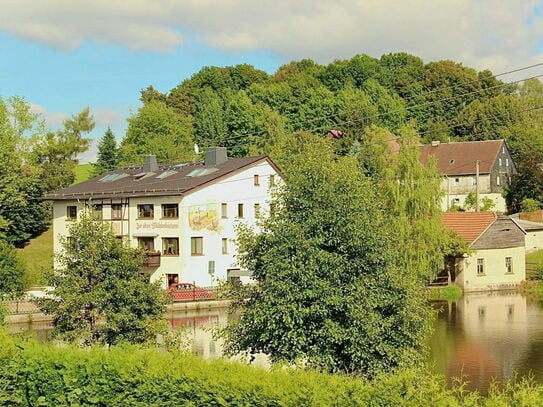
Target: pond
{"x":487,"y":336}
{"x":482,"y":336}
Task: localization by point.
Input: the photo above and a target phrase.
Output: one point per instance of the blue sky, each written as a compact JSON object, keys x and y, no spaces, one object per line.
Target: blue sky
{"x":64,"y":55}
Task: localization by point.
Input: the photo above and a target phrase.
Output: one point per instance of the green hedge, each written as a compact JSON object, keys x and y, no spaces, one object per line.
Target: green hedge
{"x":48,"y":375}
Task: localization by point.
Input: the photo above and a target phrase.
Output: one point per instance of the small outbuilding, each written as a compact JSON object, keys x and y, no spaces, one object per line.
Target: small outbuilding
{"x":497,"y":257}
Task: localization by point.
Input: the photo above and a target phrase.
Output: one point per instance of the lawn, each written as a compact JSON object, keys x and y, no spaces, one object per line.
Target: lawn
{"x":82,"y":172}
{"x":37,"y":257}
{"x":535,"y":257}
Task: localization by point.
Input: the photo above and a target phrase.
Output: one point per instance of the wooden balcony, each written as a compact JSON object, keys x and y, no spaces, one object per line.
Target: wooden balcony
{"x":151,"y":259}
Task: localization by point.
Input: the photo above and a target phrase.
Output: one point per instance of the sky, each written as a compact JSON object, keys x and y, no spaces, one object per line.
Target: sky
{"x":65,"y":55}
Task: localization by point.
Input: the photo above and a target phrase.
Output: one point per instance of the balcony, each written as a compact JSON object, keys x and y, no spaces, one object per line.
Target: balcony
{"x":152,"y":258}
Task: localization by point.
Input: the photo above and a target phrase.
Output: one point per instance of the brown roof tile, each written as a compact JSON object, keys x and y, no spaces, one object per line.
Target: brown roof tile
{"x":178,"y":182}
{"x":461,"y":158}
{"x":469,"y":225}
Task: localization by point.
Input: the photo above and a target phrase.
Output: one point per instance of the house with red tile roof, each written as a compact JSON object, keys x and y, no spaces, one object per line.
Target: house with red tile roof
{"x":497,"y":258}
{"x":483,"y":167}
{"x":183,"y":215}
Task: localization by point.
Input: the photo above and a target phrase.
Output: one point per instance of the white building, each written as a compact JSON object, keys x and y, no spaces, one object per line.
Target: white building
{"x":183,"y":215}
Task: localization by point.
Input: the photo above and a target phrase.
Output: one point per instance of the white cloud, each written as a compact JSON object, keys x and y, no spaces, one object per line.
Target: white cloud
{"x":107,"y":118}
{"x":479,"y":33}
{"x":52,"y":120}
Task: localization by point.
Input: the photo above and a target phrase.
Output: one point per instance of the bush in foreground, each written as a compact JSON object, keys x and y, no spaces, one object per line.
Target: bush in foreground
{"x":45,"y":375}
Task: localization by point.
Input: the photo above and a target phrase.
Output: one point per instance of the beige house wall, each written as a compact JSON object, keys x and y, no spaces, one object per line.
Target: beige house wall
{"x":494,"y":276}
{"x":534,"y":240}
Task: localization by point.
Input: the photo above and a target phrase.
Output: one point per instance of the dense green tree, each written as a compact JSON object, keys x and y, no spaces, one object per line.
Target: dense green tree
{"x":331,"y":293}
{"x":100,"y":294}
{"x":157,"y":129}
{"x":403,"y":73}
{"x":22,"y":212}
{"x":108,"y":154}
{"x":150,"y":94}
{"x":210,"y":128}
{"x":11,"y":270}
{"x":56,"y":152}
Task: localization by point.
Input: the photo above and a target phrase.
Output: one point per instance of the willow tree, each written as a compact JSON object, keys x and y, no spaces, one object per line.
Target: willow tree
{"x":331,"y":292}
{"x":412,"y":191}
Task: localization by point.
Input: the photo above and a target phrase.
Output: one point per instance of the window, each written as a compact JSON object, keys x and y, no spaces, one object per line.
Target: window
{"x":257,"y":210}
{"x":116,"y":211}
{"x":146,"y":243}
{"x":456,"y":181}
{"x":224,"y":245}
{"x":272,"y":180}
{"x":224,"y":210}
{"x":480,"y":267}
{"x":500,"y":162}
{"x":240,"y":210}
{"x":256,"y":180}
{"x":71,"y":212}
{"x":474,"y":181}
{"x":196,"y":246}
{"x":170,"y":246}
{"x":97,"y":212}
{"x":507,"y":162}
{"x":146,"y":211}
{"x":508,"y":265}
{"x":498,"y":180}
{"x":170,"y":211}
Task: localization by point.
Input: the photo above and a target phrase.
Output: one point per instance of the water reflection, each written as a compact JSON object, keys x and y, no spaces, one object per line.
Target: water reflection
{"x":488,"y":336}
{"x":483,"y":336}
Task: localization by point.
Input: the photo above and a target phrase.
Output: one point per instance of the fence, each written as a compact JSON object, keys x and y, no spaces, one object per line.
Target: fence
{"x":532,"y":270}
{"x":20,"y":306}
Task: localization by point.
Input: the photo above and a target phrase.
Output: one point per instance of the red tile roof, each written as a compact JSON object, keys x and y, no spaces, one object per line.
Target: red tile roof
{"x":460,"y":158}
{"x":469,"y":225}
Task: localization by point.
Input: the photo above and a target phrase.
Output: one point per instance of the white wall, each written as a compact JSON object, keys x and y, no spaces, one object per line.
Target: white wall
{"x":235,"y":189}
{"x":495,"y":276}
{"x":534,"y":240}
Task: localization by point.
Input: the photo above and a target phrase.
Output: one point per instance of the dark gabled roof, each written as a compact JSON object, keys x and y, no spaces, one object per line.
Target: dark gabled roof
{"x":461,"y":158}
{"x":172,"y":179}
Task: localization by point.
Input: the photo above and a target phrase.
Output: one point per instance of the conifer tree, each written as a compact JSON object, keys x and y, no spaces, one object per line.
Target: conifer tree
{"x":108,"y":154}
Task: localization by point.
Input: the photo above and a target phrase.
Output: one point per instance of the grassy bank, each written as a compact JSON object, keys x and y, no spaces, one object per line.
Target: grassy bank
{"x":46,"y":375}
{"x":37,"y":258}
{"x":82,"y":172}
{"x":446,"y":293}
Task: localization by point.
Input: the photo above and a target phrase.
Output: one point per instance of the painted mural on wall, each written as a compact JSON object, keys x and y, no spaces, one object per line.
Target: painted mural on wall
{"x":205,"y":217}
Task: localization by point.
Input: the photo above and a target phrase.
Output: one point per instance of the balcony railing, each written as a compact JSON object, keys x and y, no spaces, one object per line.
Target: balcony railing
{"x":152,"y":258}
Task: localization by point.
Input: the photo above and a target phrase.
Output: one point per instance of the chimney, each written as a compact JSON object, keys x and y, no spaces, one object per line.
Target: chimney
{"x":215,"y":156}
{"x":150,"y":164}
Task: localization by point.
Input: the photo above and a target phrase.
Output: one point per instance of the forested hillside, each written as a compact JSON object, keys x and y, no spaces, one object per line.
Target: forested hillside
{"x":247,"y":110}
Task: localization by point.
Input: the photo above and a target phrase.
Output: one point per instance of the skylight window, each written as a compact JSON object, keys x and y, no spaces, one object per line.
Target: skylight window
{"x":165,"y":174}
{"x":199,"y":172}
{"x":112,"y":177}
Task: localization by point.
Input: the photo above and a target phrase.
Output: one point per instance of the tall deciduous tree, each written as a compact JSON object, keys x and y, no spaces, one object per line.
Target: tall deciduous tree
{"x":101,"y":296}
{"x":157,"y":129}
{"x":108,"y":154}
{"x":331,"y":293}
{"x":22,"y":212}
{"x":413,"y":193}
{"x":56,"y":152}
